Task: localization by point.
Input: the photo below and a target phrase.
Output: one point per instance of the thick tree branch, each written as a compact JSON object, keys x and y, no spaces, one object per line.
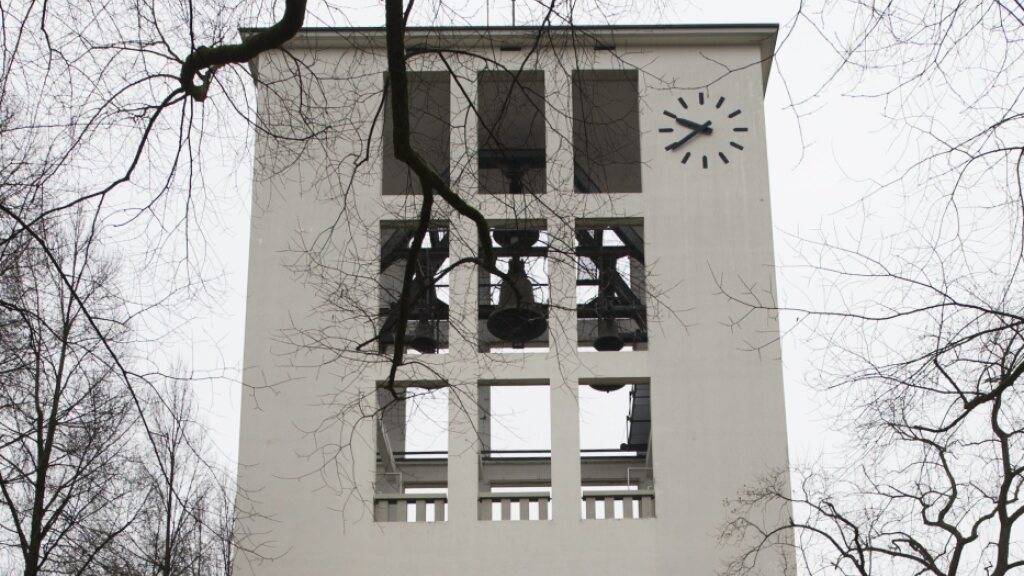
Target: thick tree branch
{"x":203,"y":62}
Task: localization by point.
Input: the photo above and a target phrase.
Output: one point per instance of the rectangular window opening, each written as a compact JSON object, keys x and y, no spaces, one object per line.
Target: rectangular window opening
{"x":513,"y":311}
{"x":616,"y":452}
{"x":427,"y":326}
{"x":511,"y":132}
{"x":430,"y":132}
{"x":411,"y":482}
{"x":606,"y":131}
{"x":611,"y":307}
{"x":515,"y":452}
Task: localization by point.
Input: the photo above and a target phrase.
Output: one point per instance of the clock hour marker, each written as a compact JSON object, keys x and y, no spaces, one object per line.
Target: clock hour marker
{"x":741,"y":129}
{"x":683,"y":102}
{"x":705,"y":162}
{"x":721,"y":100}
{"x":666,"y":129}
{"x":734,"y":114}
{"x":700,"y":96}
{"x":736,"y":146}
{"x":685,"y":158}
{"x":669,"y":114}
{"x":723,"y":157}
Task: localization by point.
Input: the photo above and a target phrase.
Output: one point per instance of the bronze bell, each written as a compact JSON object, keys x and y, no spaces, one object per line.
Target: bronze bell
{"x":608,"y":337}
{"x":606,"y":388}
{"x":517,"y":318}
{"x":424,"y":337}
{"x":518,"y":239}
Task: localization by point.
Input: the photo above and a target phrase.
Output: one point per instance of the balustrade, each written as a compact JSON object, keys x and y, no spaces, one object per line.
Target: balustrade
{"x":514,"y":506}
{"x":601,"y":504}
{"x":410,"y":507}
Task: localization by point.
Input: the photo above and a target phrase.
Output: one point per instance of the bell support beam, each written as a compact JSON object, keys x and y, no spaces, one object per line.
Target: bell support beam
{"x":396,"y":247}
{"x":593,"y":246}
{"x":632,"y":240}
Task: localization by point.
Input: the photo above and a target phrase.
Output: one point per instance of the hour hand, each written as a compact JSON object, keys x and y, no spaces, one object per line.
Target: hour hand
{"x":705,"y":127}
{"x":699,"y":129}
{"x":681,"y":141}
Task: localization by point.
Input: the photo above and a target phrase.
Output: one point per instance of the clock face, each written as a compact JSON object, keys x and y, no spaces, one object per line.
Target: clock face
{"x":705,"y":131}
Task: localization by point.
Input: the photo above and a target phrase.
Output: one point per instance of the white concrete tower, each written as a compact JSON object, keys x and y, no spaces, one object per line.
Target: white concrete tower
{"x":624,"y":173}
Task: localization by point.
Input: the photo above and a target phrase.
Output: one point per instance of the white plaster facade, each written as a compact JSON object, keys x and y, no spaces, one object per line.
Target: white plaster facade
{"x":718,"y":420}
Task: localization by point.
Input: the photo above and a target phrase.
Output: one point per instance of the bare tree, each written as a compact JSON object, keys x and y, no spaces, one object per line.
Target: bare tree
{"x":167,"y":81}
{"x":924,"y":354}
{"x":73,"y":495}
{"x":65,"y":423}
{"x":184,"y":525}
{"x":126,"y":115}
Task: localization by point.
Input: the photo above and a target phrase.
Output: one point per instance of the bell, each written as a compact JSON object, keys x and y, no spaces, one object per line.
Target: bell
{"x":606,"y":388}
{"x":513,"y":238}
{"x":423,"y":337}
{"x":608,"y":337}
{"x":517,"y":318}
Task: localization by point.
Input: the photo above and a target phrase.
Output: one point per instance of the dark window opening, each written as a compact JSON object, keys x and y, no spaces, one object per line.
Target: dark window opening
{"x":606,"y":131}
{"x":430,"y":129}
{"x":511,"y":132}
{"x":427,"y":324}
{"x":611,"y":305}
{"x":513,"y":311}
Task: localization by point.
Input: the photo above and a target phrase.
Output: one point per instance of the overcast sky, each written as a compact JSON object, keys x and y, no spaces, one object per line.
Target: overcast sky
{"x":820,"y":165}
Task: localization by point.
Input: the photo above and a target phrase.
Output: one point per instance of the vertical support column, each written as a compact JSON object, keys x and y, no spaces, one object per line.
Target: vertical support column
{"x":462,"y":332}
{"x":565,"y":433}
{"x":463,"y":413}
{"x":561,"y":258}
{"x":565,"y":449}
{"x":463,"y":449}
{"x":483,"y":405}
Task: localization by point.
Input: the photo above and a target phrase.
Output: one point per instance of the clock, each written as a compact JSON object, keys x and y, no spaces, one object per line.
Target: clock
{"x":705,"y":131}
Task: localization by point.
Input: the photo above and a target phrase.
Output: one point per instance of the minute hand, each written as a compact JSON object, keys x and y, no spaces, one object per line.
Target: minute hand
{"x":687,"y":138}
{"x":705,"y":127}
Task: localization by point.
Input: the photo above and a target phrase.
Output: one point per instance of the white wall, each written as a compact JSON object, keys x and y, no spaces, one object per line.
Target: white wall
{"x":718,"y":416}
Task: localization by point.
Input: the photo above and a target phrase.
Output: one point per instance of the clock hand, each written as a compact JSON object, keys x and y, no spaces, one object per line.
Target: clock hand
{"x":687,"y":138}
{"x":705,"y":127}
{"x":681,"y":141}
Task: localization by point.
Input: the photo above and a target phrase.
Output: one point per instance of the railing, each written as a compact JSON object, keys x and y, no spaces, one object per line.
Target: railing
{"x":618,"y":504}
{"x":410,"y":507}
{"x":514,"y":506}
{"x":519,"y":506}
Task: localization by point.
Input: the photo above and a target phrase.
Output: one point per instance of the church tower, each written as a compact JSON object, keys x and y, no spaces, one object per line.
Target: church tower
{"x":585,"y":411}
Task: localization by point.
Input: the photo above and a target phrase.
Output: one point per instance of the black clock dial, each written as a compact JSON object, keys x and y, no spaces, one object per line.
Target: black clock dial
{"x":707,"y":127}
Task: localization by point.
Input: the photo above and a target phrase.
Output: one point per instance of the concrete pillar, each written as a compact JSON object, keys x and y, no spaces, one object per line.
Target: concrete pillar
{"x":462,"y":332}
{"x":565,"y":455}
{"x":565,"y":432}
{"x":484,"y":427}
{"x":463,"y":449}
{"x":463,"y":436}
